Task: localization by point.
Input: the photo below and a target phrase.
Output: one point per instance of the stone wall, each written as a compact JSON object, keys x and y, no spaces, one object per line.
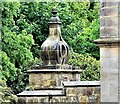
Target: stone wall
{"x":71,"y":94}
{"x":59,"y":86}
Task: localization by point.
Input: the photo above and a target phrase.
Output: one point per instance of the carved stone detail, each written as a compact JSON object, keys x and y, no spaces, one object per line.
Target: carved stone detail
{"x":54,"y":49}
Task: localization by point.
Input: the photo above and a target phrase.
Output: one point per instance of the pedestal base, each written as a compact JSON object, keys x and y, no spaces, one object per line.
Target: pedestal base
{"x":51,"y":78}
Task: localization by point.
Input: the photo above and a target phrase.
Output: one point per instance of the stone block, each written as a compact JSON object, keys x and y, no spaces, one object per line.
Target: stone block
{"x":108,"y":4}
{"x":46,"y":76}
{"x":84,"y":100}
{"x":114,"y":52}
{"x":109,"y":63}
{"x":110,"y":90}
{"x":79,"y":91}
{"x":111,"y":4}
{"x":21,"y":100}
{"x":46,"y":83}
{"x":104,"y":52}
{"x":107,"y":52}
{"x":109,"y":11}
{"x":102,"y":21}
{"x":71,"y":92}
{"x":30,"y":100}
{"x":33,"y":78}
{"x":48,"y":80}
{"x":43,"y":100}
{"x":111,"y":21}
{"x":102,"y":4}
{"x":109,"y":32}
{"x":87,"y":92}
{"x":113,"y":85}
{"x":97,"y":91}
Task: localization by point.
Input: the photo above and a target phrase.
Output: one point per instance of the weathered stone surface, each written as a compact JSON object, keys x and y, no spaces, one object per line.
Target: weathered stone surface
{"x":107,"y":32}
{"x":49,"y":71}
{"x":84,"y":99}
{"x":70,"y":95}
{"x":112,"y":21}
{"x":108,"y":21}
{"x":58,"y":66}
{"x":111,"y":11}
{"x":109,"y":73}
{"x":41,"y":93}
{"x":106,"y":4}
{"x":49,"y":79}
{"x":21,"y":100}
{"x":81,"y":83}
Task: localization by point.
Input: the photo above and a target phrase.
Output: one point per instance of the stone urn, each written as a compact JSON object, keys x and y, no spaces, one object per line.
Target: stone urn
{"x":54,"y":49}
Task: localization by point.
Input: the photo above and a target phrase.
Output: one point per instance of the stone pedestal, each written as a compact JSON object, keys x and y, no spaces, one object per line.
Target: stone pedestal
{"x":51,"y":78}
{"x":59,"y":84}
{"x":48,"y":81}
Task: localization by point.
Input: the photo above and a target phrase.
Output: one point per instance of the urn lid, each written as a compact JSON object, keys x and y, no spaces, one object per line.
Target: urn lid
{"x":54,"y":19}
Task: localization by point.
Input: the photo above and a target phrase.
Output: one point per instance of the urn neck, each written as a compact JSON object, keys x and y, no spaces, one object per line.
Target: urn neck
{"x":54,"y":30}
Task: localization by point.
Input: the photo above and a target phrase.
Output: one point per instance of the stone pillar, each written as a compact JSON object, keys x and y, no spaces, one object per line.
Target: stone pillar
{"x":109,"y":44}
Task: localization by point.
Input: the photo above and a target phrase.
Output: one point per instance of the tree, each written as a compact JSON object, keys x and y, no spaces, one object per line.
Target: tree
{"x":25,"y":27}
{"x":80,"y":24}
{"x":15,"y":47}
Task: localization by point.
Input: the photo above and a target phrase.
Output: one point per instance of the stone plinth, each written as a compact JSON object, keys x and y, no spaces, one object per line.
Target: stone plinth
{"x":51,"y":78}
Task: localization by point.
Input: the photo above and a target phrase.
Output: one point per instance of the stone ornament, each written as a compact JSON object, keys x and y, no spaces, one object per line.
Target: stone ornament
{"x":54,"y":49}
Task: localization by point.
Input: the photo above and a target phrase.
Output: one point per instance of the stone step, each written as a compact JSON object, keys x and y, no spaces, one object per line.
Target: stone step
{"x":37,"y":93}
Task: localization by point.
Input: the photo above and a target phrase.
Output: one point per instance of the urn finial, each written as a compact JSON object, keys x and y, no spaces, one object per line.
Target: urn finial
{"x":54,"y":49}
{"x":54,"y":19}
{"x":54,"y":11}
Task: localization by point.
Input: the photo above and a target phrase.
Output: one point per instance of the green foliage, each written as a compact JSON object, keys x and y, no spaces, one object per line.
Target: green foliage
{"x":25,"y":27}
{"x":80,"y":24}
{"x":83,"y":29}
{"x":6,"y":94}
{"x":8,"y":70}
{"x":17,"y":46}
{"x":21,"y":81}
{"x":89,"y":65}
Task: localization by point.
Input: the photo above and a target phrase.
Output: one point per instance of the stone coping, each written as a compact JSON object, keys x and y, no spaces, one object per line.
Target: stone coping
{"x":107,"y":40}
{"x":41,"y":93}
{"x":81,"y":84}
{"x":54,"y":71}
{"x":50,"y":88}
{"x":57,"y":66}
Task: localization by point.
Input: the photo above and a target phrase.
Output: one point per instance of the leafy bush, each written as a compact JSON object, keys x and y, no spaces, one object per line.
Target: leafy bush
{"x":6,"y":94}
{"x":17,"y":47}
{"x":89,"y":65}
{"x":8,"y":70}
{"x":25,"y":27}
{"x":80,"y":23}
